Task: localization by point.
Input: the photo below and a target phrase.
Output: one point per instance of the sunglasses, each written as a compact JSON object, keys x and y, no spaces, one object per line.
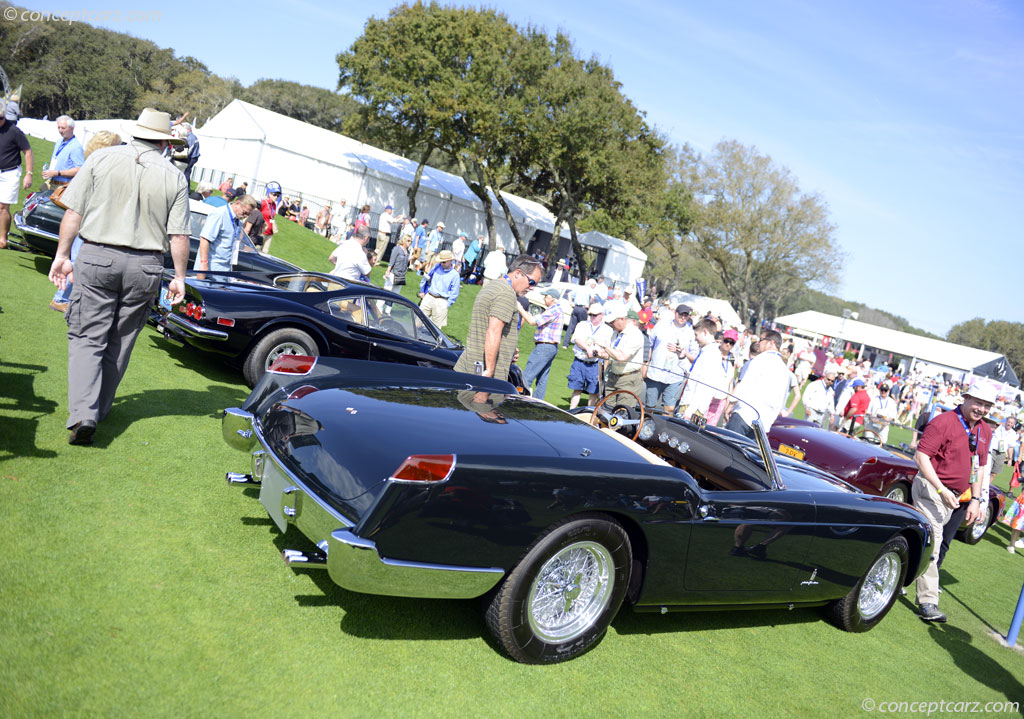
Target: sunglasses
{"x":729,"y":342}
{"x":972,"y":442}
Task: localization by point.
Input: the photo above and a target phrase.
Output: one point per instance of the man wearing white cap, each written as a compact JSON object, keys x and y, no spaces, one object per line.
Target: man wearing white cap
{"x":626,"y":352}
{"x":951,"y":458}
{"x":584,"y":377}
{"x":384,"y":230}
{"x":434,"y":240}
{"x":125,"y":202}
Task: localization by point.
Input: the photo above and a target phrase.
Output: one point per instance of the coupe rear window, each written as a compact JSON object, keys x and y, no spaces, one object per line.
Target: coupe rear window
{"x":308,"y":283}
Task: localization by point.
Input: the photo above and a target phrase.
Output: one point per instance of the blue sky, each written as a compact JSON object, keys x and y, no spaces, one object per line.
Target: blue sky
{"x":904,"y":116}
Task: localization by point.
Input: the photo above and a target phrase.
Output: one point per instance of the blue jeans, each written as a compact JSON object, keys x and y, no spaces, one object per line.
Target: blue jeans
{"x":538,"y":367}
{"x":64,"y":295}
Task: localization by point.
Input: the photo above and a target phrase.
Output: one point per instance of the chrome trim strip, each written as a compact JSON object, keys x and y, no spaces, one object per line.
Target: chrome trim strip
{"x":194,"y":329}
{"x":354,"y":563}
{"x":23,"y":227}
{"x":767,"y":457}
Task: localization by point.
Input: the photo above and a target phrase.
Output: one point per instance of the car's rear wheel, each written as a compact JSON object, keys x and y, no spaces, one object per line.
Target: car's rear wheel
{"x":972,"y":533}
{"x":876,"y":592}
{"x":900,"y":492}
{"x":284,"y":341}
{"x":559,"y":600}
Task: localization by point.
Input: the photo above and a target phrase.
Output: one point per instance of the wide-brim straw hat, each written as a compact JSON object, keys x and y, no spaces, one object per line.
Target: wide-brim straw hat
{"x":152,"y":125}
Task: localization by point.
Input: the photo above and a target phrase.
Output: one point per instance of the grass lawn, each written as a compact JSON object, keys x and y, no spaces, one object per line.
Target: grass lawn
{"x":134,"y":582}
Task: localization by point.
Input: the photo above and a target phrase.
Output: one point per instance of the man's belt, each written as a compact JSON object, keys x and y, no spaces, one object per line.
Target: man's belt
{"x":624,"y":374}
{"x":440,"y":297}
{"x":545,"y":343}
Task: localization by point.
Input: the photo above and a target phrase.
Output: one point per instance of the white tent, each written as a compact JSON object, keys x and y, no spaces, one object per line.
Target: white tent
{"x":701,"y":305}
{"x":917,"y":348}
{"x":251,"y":143}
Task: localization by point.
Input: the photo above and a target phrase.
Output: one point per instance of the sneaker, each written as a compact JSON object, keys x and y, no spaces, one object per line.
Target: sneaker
{"x":931,"y":613}
{"x":1011,"y":550}
{"x":58,"y":306}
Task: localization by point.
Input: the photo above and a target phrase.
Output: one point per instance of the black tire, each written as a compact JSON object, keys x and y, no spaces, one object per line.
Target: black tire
{"x":868,"y":602}
{"x":516,"y":615}
{"x":900,"y":492}
{"x":973,"y":533}
{"x":284,"y":341}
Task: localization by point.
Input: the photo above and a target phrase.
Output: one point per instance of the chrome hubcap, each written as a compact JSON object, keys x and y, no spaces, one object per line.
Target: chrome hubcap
{"x":897,"y":494}
{"x":286,"y":348}
{"x":570,"y":592}
{"x":979,"y":527}
{"x":879,"y":585}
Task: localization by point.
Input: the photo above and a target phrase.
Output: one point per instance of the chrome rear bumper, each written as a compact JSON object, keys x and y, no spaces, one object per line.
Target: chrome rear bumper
{"x":352,"y":562}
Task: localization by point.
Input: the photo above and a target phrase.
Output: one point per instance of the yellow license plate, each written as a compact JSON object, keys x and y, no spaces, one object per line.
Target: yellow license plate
{"x":793,"y":452}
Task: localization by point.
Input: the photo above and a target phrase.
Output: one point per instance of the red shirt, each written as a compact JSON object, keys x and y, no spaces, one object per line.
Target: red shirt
{"x":945,"y":442}
{"x":859,"y":402}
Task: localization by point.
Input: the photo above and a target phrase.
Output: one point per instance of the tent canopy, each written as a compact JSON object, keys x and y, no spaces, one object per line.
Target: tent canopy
{"x":940,"y":352}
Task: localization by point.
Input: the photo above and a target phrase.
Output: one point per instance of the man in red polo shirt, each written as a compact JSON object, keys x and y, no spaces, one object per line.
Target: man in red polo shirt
{"x":951,"y":458}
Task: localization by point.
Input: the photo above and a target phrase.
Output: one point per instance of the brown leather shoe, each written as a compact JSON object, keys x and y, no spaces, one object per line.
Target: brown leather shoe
{"x":58,"y":306}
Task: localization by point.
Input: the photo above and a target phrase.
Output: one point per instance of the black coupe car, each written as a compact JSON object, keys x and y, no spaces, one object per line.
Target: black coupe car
{"x":251,"y":319}
{"x":417,"y":482}
{"x":38,"y":223}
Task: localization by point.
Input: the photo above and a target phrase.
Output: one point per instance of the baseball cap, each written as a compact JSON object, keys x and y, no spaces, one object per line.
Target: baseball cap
{"x":614,"y":310}
{"x":595,"y":309}
{"x":731,"y":335}
{"x":551,"y":293}
{"x":858,"y":383}
{"x":683,"y":309}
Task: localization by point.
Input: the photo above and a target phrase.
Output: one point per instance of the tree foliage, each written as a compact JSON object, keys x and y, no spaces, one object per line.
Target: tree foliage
{"x":89,"y":73}
{"x":1006,"y":338}
{"x":763,"y":237}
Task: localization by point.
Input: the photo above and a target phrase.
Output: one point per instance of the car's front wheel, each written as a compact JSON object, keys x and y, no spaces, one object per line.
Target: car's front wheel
{"x":284,"y":341}
{"x":876,"y":592}
{"x":559,"y":600}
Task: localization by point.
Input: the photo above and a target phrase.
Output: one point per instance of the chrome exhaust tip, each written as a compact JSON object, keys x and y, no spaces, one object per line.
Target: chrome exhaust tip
{"x":314,"y":560}
{"x":242,"y":479}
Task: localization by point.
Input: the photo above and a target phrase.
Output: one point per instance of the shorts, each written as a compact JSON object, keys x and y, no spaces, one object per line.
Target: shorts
{"x":10,"y":183}
{"x":583,"y":376}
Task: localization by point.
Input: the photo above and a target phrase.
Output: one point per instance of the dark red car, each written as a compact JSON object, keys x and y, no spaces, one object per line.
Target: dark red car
{"x":885,"y":470}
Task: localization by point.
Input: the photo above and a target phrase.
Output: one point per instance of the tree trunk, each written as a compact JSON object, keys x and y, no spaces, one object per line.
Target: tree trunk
{"x":415,"y":186}
{"x":577,"y":249}
{"x":511,"y":222}
{"x":478,"y":186}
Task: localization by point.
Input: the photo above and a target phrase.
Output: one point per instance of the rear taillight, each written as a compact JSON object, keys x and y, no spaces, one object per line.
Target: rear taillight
{"x":425,"y":468}
{"x":293,"y":364}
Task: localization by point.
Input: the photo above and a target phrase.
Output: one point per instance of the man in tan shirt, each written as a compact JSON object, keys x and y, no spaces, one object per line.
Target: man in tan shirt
{"x":125,"y":202}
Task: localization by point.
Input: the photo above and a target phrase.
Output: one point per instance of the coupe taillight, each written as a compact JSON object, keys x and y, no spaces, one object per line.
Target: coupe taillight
{"x":425,"y":468}
{"x":293,"y":364}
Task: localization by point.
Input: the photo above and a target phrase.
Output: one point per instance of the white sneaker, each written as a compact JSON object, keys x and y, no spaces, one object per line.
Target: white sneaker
{"x":1011,"y":550}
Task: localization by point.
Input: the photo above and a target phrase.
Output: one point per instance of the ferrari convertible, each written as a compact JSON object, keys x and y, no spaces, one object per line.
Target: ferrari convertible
{"x":420,"y":482}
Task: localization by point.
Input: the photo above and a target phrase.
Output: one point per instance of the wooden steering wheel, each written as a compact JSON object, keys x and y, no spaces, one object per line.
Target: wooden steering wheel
{"x":615,"y":420}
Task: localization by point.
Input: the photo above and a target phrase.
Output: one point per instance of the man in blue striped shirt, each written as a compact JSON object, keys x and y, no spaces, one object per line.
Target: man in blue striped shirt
{"x":440,"y":288}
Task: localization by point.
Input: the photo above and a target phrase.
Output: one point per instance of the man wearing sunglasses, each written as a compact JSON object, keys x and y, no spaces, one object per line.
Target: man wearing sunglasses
{"x":494,"y":325}
{"x":952,"y":458}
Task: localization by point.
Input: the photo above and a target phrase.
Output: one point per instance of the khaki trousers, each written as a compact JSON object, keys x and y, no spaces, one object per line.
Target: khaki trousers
{"x":928,"y":503}
{"x":436,"y":308}
{"x":111,"y":300}
{"x":382,"y":244}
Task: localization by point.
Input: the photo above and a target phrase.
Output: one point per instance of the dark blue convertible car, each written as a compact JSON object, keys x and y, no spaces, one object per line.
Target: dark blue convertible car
{"x":419,"y":482}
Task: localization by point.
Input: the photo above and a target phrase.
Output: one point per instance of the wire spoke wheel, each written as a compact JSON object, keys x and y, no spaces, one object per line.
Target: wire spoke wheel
{"x":571,"y":590}
{"x":879,"y":585}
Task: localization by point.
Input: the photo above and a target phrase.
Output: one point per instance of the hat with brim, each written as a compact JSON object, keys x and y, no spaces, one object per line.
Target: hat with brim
{"x":445,"y":256}
{"x":981,"y":391}
{"x":551,"y":293}
{"x":152,"y":125}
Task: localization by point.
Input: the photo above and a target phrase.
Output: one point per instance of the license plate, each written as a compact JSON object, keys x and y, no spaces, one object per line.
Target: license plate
{"x":794,"y":452}
{"x":165,"y":297}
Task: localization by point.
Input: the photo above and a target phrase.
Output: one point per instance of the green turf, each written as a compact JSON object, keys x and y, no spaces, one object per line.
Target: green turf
{"x":134,"y":582}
